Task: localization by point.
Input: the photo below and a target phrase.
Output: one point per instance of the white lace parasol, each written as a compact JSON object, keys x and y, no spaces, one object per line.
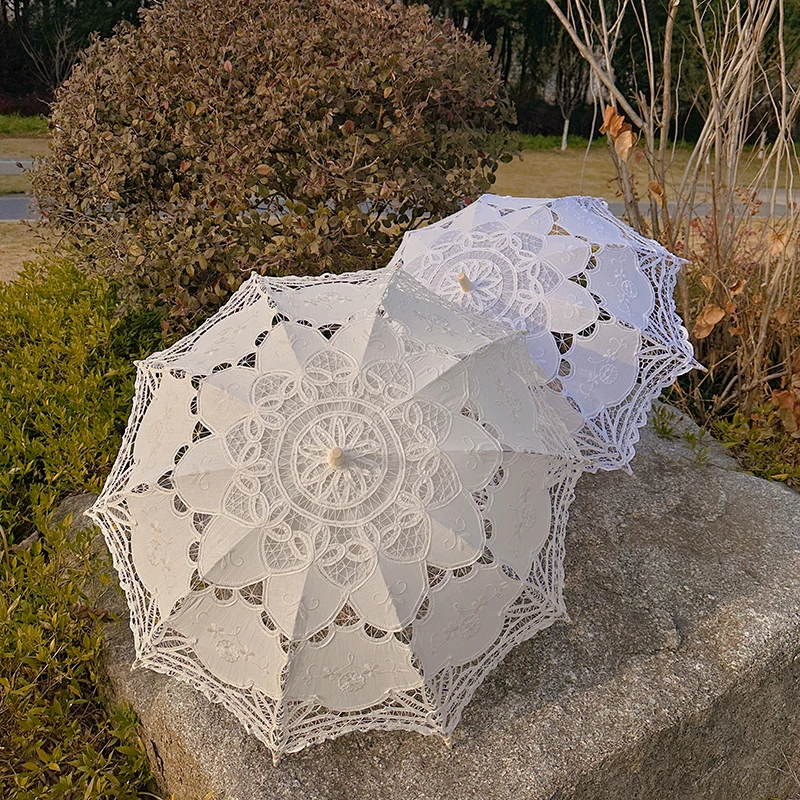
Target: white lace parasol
{"x":595,"y":297}
{"x":338,"y":504}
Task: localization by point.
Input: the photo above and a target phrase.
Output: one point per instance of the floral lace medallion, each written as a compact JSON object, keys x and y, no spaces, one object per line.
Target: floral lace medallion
{"x":352,"y":514}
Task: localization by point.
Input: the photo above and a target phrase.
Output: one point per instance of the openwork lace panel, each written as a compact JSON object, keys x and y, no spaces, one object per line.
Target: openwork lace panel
{"x":338,"y":504}
{"x":595,"y":297}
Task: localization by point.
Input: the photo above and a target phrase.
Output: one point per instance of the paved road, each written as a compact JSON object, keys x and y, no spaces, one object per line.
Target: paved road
{"x":16,"y":206}
{"x":9,"y":166}
{"x":701,"y":209}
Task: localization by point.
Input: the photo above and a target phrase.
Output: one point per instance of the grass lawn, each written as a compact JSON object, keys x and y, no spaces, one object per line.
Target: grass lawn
{"x":13,"y":148}
{"x":16,"y":125}
{"x":14,"y":184}
{"x":21,"y":138}
{"x":551,"y":172}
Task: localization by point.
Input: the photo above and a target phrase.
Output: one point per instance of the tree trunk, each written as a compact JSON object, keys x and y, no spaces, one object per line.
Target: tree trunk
{"x":523,"y":75}
{"x":565,"y":134}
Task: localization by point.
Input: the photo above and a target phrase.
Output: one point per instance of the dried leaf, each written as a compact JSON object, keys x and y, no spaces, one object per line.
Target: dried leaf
{"x":707,"y":319}
{"x":185,"y":165}
{"x":657,"y":190}
{"x":713,"y":314}
{"x":190,"y":108}
{"x":707,"y":281}
{"x":608,"y":115}
{"x":776,"y":242}
{"x":349,"y":126}
{"x":618,"y":126}
{"x":702,"y":329}
{"x":738,"y":287}
{"x":228,"y":67}
{"x":624,"y":144}
{"x":788,"y":406}
{"x":782,"y":315}
{"x":263,"y":170}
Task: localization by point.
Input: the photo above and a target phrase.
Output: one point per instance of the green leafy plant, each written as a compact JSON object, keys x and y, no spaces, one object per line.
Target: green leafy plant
{"x":699,"y":444}
{"x":287,"y":136}
{"x":59,"y":738}
{"x":65,"y":391}
{"x":66,"y":382}
{"x":664,"y":422}
{"x":762,"y":444}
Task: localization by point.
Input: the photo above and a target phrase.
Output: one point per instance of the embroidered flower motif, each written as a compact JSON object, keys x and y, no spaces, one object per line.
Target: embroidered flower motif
{"x":469,"y":626}
{"x":351,"y":681}
{"x":228,"y":650}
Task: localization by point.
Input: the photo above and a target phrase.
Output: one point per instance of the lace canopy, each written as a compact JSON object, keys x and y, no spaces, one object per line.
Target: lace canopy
{"x":339,"y":503}
{"x":595,"y":297}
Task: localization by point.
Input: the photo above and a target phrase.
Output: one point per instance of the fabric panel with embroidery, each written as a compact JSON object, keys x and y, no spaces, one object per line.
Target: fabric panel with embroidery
{"x":338,"y":504}
{"x":595,"y":297}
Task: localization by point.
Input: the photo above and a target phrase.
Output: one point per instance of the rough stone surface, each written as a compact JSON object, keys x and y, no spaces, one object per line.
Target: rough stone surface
{"x":678,"y":679}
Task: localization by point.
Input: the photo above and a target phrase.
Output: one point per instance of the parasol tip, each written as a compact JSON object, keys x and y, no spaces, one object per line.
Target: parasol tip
{"x":336,"y":457}
{"x":464,"y":282}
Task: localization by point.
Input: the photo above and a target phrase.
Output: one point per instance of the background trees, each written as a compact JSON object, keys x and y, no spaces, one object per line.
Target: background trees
{"x":40,"y":39}
{"x":525,"y":40}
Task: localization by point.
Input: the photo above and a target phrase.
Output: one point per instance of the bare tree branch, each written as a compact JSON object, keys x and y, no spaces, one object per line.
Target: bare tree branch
{"x":601,"y":74}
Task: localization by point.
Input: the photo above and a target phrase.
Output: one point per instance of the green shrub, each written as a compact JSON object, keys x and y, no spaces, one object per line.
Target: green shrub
{"x":762,"y":445}
{"x":65,"y":393}
{"x":58,"y":741}
{"x":349,"y":120}
{"x":66,"y":383}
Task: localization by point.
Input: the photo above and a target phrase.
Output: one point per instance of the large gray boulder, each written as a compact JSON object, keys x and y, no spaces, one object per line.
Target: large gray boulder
{"x":678,"y":678}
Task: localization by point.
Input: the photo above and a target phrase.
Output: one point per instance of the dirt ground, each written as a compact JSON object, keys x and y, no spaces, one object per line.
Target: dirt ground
{"x":12,"y":147}
{"x":17,"y":243}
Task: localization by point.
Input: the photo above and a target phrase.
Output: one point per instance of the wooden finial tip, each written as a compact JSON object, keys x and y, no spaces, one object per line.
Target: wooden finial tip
{"x":336,"y":457}
{"x":464,"y":282}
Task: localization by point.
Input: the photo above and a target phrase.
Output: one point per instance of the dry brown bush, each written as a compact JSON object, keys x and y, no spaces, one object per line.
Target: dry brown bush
{"x":344,"y":121}
{"x":732,"y":212}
